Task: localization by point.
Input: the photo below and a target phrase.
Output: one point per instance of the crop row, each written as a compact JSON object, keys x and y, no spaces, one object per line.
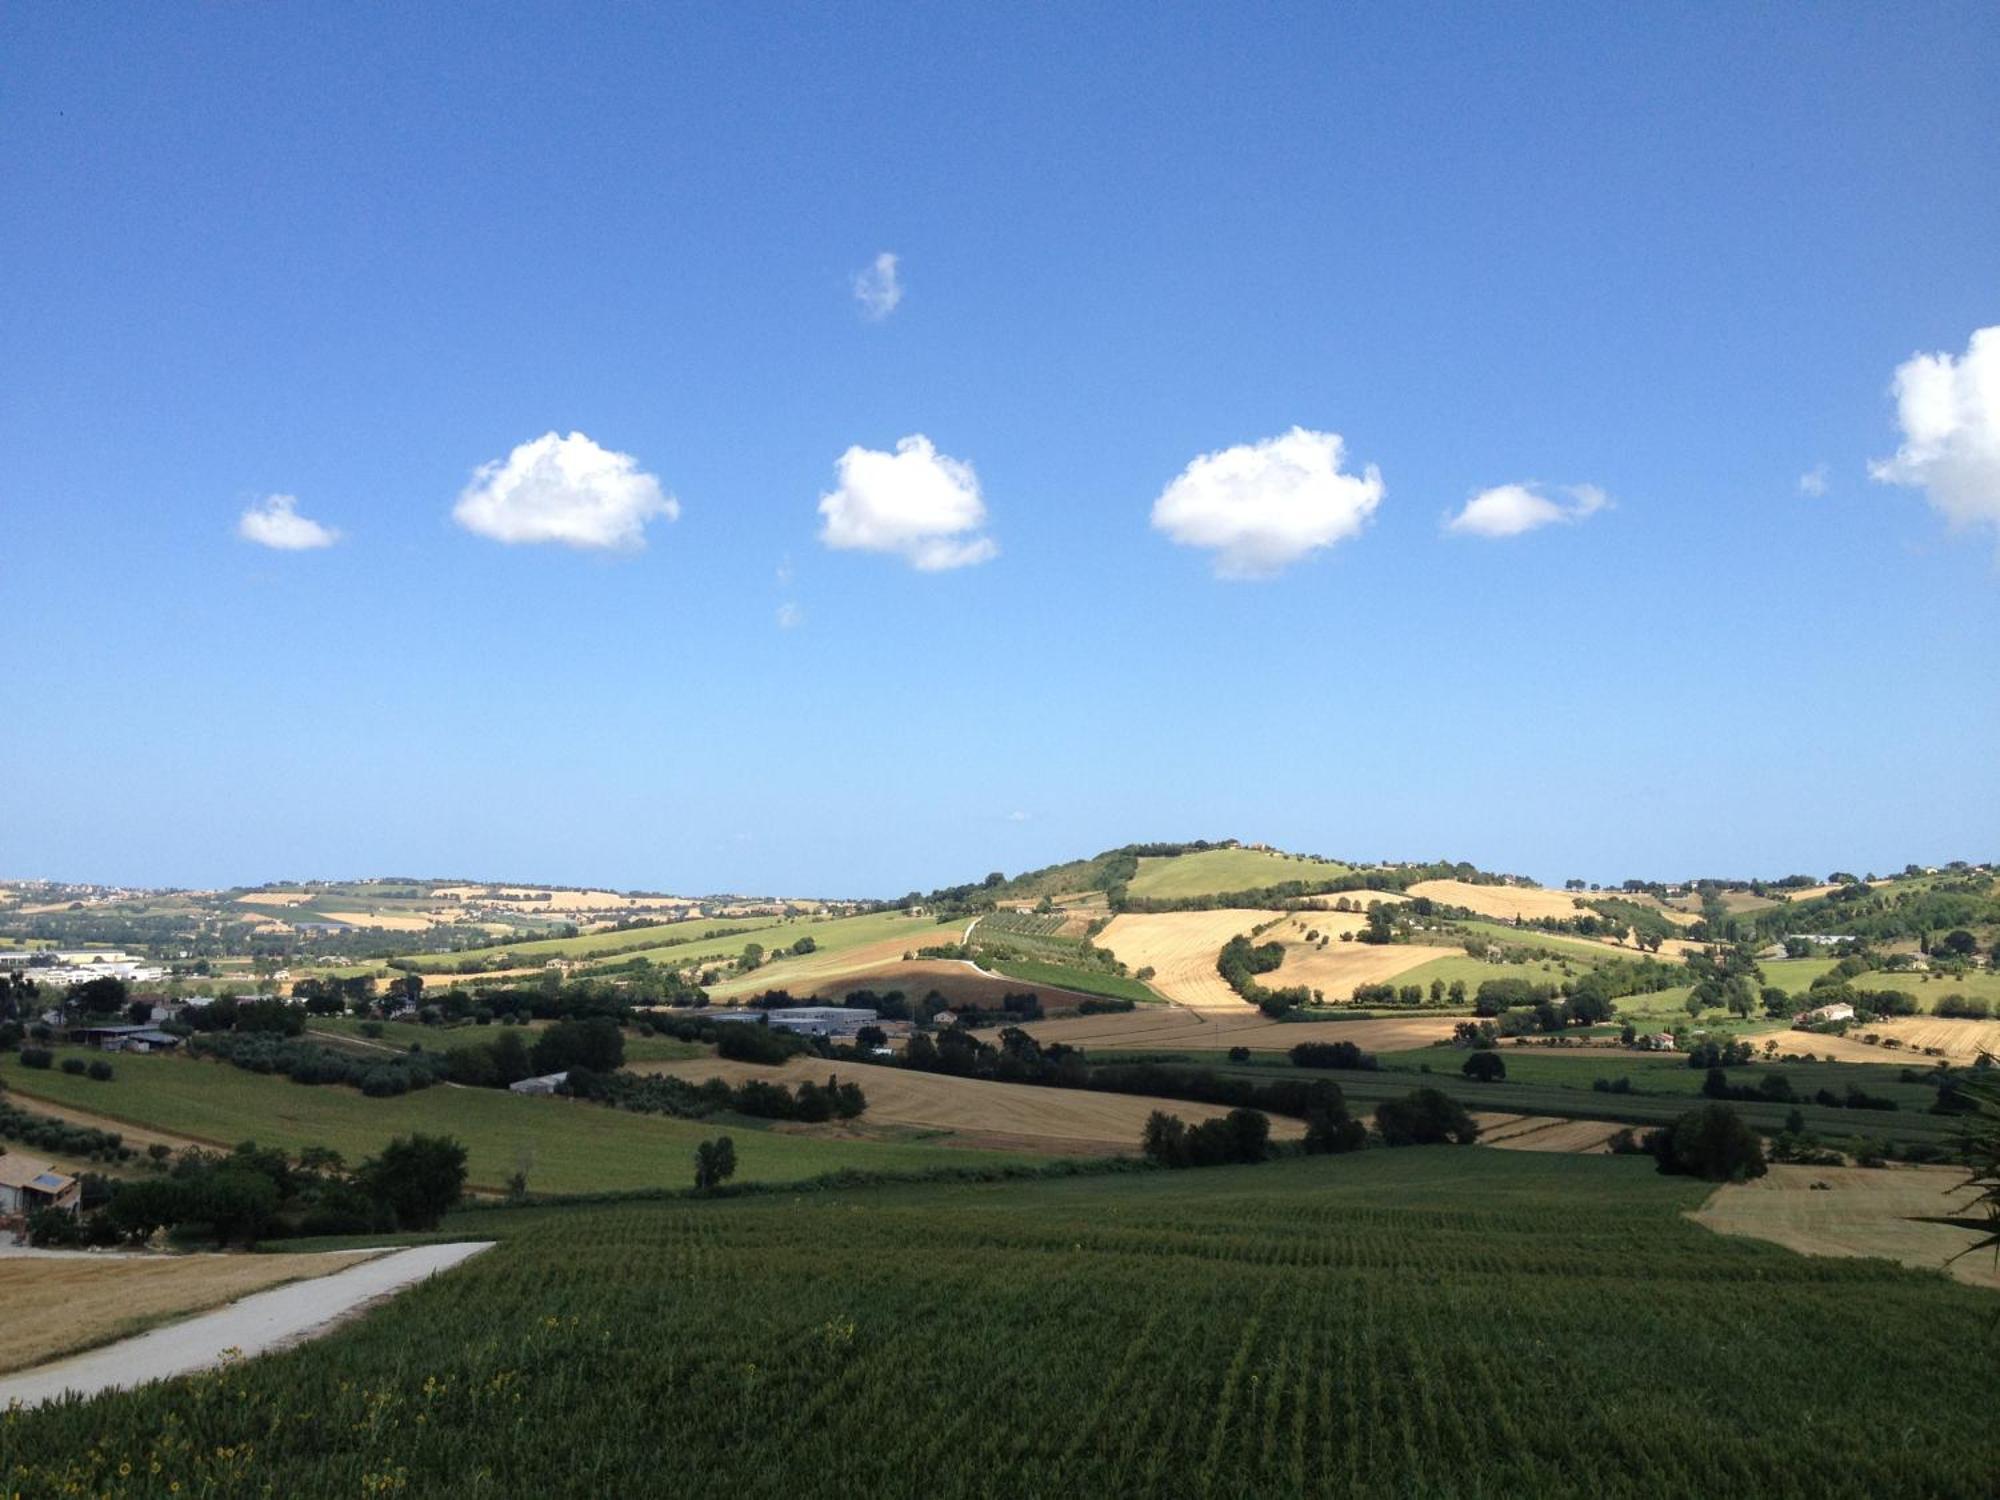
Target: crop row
{"x":1428,"y":1321}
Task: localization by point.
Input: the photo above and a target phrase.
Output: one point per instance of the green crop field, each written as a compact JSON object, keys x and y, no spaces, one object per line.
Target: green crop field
{"x":570,"y":1147}
{"x":1418,"y":1322}
{"x":621,"y":942}
{"x":1475,"y":971}
{"x":1669,"y":1073}
{"x":833,"y":936}
{"x":1796,"y":975}
{"x":1061,"y":976}
{"x":1212,"y":871}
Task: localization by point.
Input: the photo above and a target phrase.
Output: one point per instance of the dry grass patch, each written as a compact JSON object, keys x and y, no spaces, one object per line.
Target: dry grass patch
{"x":1024,"y":1117}
{"x":1181,"y":947}
{"x":1860,"y":1212}
{"x":386,"y":921}
{"x":1545,"y":1133}
{"x":1337,"y":968}
{"x":1194,"y":1031}
{"x":1505,"y":902}
{"x":55,"y":1306}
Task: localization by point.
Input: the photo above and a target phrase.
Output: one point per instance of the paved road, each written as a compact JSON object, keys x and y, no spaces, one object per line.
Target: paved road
{"x":255,"y":1324}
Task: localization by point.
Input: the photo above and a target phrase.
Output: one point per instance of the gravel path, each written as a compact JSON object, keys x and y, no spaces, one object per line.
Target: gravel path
{"x":259,"y":1323}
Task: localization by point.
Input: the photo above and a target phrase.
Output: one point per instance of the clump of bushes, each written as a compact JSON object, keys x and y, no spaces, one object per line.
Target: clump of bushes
{"x":1425,"y":1117}
{"x":378,"y":1075}
{"x":1711,"y":1143}
{"x":1330,"y":1055}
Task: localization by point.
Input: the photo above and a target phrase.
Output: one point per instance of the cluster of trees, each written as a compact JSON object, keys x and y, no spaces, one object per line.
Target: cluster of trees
{"x":1425,"y":1117}
{"x":1242,"y":960}
{"x":380,"y":1075}
{"x":809,"y":1102}
{"x":1962,"y":1008}
{"x":62,"y":1137}
{"x":595,"y":1043}
{"x":255,"y":1193}
{"x":1330,"y":1055}
{"x":1711,"y":1143}
{"x":1410,"y":995}
{"x":1519,"y":1007}
{"x":1241,"y":1136}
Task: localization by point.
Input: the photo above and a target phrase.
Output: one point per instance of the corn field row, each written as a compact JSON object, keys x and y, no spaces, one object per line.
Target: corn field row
{"x":1431,"y":1322}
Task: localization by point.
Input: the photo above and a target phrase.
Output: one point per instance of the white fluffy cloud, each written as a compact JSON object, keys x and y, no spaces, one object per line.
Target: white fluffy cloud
{"x":916,"y":502}
{"x":1949,"y":410}
{"x":790,"y":616}
{"x":878,"y":289}
{"x":1813,"y":481}
{"x":1511,"y":509}
{"x":275,"y":521}
{"x":564,"y":489}
{"x":1262,"y":506}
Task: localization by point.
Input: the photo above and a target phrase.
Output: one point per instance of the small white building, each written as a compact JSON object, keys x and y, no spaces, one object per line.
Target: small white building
{"x":1840,"y":1011}
{"x":548,"y":1083}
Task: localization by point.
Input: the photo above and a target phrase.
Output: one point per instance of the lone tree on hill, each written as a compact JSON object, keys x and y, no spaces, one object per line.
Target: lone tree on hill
{"x":1485,"y":1067}
{"x":714,"y":1163}
{"x":417,"y":1178}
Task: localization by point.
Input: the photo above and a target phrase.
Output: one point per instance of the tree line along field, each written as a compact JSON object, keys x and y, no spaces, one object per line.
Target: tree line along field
{"x":1424,"y":1321}
{"x":564,"y":1145}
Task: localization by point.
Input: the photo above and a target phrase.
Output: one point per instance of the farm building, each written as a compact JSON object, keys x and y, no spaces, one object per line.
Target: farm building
{"x":1837,"y":1012}
{"x":805,"y":1020}
{"x":548,"y":1083}
{"x":823,"y":1020}
{"x":28,"y":1185}
{"x":1657,"y":1041}
{"x":125,"y":1038}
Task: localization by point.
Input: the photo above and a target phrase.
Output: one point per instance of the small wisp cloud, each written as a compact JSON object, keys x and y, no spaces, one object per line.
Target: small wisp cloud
{"x":275,"y":522}
{"x":916,"y":503}
{"x":1260,"y":507}
{"x":1515,"y":509}
{"x":566,"y":490}
{"x":879,"y":288}
{"x":1949,"y":410}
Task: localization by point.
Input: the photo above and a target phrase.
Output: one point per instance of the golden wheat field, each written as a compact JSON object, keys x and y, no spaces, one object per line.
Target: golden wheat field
{"x":1025,"y":1117}
{"x":1180,"y":947}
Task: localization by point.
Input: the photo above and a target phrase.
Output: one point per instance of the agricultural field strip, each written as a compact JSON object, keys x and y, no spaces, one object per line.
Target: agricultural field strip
{"x":1389,"y":1323}
{"x":902,"y":1096}
{"x":563,"y":1145}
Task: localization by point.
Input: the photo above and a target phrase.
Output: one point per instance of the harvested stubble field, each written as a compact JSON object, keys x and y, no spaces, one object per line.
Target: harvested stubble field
{"x":1000,"y":1116}
{"x":1337,"y":968}
{"x":1162,"y":1030}
{"x":52,"y":1306}
{"x":1858,"y":1211}
{"x":1545,"y":1133}
{"x":1392,"y":1323}
{"x":1181,"y":947}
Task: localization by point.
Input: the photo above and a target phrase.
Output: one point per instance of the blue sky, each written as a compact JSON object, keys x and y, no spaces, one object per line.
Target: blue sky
{"x":1673,"y":260}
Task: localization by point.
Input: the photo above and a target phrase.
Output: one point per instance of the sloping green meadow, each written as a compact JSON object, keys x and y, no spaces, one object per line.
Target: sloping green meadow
{"x":1419,"y":1322}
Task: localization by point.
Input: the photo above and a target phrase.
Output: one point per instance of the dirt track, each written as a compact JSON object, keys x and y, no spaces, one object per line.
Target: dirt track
{"x":257,"y":1324}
